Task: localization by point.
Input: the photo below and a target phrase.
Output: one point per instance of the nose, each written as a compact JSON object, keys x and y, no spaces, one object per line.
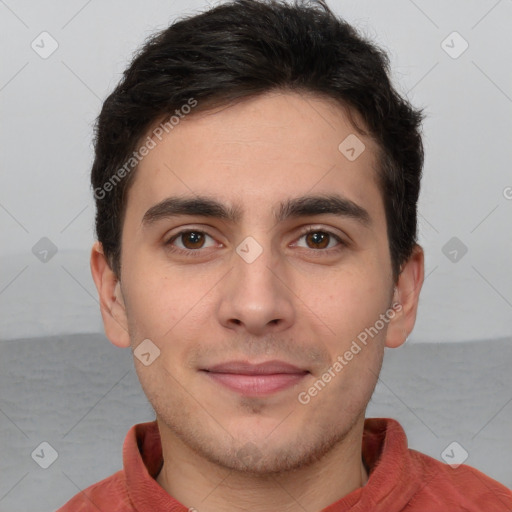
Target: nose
{"x":256,"y":297}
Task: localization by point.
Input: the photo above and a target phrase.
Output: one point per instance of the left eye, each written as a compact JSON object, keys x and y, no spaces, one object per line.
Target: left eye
{"x":319,"y":240}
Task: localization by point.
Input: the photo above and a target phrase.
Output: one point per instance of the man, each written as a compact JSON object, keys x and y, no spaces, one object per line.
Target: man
{"x":256,"y":180}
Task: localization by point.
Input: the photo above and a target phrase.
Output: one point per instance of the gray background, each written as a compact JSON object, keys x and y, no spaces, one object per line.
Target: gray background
{"x":51,"y":376}
{"x":48,"y":107}
{"x":84,"y":395}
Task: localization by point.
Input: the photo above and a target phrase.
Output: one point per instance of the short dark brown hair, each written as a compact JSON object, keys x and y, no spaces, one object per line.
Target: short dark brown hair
{"x":242,"y":49}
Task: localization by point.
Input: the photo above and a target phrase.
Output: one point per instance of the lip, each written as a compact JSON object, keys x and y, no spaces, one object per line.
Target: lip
{"x":256,"y":379}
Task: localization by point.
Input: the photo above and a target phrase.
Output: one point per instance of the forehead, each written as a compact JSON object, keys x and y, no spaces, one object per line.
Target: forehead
{"x":258,"y":152}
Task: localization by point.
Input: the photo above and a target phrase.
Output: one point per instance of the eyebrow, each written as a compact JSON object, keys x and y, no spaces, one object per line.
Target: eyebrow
{"x":304,"y":206}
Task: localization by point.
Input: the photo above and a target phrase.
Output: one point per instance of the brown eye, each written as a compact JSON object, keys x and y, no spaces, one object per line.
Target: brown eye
{"x":191,"y":240}
{"x":318,"y":239}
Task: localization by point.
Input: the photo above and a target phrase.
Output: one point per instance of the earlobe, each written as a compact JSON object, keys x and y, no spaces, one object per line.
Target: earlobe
{"x":406,"y":296}
{"x":396,"y":335}
{"x":112,"y":305}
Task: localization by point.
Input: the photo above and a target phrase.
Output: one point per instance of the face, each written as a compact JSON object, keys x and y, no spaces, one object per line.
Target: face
{"x":254,"y":256}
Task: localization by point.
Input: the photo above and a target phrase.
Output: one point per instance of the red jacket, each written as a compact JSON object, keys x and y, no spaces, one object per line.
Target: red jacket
{"x":400,"y":480}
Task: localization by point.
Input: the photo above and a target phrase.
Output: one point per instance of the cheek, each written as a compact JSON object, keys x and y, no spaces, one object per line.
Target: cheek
{"x":347,"y":301}
{"x":154,"y":308}
{"x":167,"y":306}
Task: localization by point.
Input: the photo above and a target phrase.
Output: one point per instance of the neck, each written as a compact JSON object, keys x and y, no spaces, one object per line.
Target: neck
{"x":207,"y":487}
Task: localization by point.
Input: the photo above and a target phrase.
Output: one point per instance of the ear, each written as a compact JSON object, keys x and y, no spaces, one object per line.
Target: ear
{"x":111,"y":298}
{"x":406,"y":297}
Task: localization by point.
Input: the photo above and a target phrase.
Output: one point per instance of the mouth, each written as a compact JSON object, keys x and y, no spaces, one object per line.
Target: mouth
{"x":255,"y":379}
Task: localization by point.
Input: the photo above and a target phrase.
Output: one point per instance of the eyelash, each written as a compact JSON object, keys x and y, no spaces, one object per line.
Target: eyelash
{"x":304,"y":232}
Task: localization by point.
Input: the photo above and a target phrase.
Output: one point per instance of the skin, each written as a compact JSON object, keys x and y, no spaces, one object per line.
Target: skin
{"x":300,"y":301}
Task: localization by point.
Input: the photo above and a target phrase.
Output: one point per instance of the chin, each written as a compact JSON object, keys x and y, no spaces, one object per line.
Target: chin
{"x":266,"y":455}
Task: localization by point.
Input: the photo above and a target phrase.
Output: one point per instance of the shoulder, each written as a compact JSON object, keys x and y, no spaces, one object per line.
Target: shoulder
{"x":107,"y":493}
{"x":462,"y":486}
{"x":418,"y":482}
